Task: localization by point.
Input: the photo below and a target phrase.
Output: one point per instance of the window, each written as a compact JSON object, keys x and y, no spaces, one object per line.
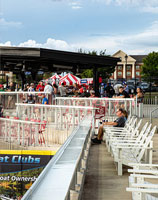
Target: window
{"x":137,"y":67}
{"x":119,"y":73}
{"x":137,"y":73}
{"x":119,"y":67}
{"x":128,"y":73}
{"x":128,"y":67}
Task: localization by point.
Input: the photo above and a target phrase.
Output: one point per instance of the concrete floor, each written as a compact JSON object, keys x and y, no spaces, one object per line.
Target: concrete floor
{"x":102,"y":181}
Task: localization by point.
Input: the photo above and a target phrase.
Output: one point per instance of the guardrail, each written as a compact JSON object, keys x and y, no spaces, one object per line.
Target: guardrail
{"x":152,"y":113}
{"x":65,"y":117}
{"x":9,"y":99}
{"x":110,"y":104}
{"x":23,"y":133}
{"x":63,"y":177}
{"x":145,"y":110}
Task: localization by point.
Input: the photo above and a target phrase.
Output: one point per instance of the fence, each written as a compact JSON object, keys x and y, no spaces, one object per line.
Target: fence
{"x":110,"y":104}
{"x":9,"y":99}
{"x":65,"y":117}
{"x":151,"y":101}
{"x":144,"y":110}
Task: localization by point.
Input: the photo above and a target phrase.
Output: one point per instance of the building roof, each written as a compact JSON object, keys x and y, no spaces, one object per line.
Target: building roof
{"x":139,"y":58}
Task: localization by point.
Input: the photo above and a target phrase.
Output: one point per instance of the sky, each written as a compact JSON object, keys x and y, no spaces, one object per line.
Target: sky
{"x":70,"y":25}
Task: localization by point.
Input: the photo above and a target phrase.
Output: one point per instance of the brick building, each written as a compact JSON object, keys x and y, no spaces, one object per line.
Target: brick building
{"x":129,"y":67}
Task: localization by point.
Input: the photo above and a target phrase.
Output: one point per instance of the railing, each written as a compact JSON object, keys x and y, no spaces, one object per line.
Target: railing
{"x":63,"y":177}
{"x":151,"y":101}
{"x":9,"y":99}
{"x":110,"y":104}
{"x":23,"y":133}
{"x":65,"y":117}
{"x":152,"y":113}
{"x":145,"y":110}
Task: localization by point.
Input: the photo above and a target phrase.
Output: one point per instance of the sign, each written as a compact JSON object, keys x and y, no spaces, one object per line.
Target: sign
{"x":100,"y":112}
{"x":19,"y":169}
{"x":83,"y":81}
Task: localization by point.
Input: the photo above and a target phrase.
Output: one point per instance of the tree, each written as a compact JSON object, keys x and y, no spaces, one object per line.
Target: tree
{"x":105,"y":72}
{"x":149,"y":70}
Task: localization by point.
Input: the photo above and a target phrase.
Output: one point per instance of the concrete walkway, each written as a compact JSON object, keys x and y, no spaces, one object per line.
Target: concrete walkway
{"x":102,"y":181}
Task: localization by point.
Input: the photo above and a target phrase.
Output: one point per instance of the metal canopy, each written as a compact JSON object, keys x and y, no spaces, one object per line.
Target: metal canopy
{"x":21,"y":59}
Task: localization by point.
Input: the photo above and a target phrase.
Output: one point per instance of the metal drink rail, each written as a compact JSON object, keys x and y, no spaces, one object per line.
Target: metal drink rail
{"x":8,"y":99}
{"x":63,"y":177}
{"x":110,"y":104}
{"x":65,"y":117}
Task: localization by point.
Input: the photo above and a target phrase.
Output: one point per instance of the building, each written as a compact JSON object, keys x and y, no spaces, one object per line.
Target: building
{"x":129,"y":67}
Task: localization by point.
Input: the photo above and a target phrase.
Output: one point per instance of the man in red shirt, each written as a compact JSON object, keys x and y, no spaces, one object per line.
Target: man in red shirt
{"x":40,"y":86}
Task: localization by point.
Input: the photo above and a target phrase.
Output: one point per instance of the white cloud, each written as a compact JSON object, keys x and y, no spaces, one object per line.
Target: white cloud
{"x":8,"y":44}
{"x":143,"y":5}
{"x":50,"y":44}
{"x":4,"y":23}
{"x":75,"y":5}
{"x":139,"y":43}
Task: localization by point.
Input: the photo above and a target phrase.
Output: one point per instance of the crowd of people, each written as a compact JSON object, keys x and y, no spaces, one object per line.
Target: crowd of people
{"x":72,"y":91}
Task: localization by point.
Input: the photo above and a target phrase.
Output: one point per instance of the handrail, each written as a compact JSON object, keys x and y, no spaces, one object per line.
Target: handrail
{"x":151,"y":114}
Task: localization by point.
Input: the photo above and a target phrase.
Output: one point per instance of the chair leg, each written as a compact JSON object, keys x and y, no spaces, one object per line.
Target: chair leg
{"x":119,"y":168}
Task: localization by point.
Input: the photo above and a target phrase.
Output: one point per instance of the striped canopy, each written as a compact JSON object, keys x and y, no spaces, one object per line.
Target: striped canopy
{"x":69,"y":79}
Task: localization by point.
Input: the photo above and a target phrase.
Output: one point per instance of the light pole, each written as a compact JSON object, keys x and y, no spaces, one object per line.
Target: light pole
{"x":126,"y":56}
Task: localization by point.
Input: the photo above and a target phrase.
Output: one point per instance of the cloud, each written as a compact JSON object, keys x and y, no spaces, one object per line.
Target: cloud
{"x":75,"y":5}
{"x":143,"y":5}
{"x":5,"y":24}
{"x":140,"y":43}
{"x":50,"y":44}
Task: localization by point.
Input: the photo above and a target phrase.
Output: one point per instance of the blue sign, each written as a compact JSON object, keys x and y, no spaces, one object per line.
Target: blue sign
{"x":83,"y":81}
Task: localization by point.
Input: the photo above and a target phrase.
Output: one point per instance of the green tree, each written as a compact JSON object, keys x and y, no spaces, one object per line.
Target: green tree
{"x":105,"y":72}
{"x":149,"y":70}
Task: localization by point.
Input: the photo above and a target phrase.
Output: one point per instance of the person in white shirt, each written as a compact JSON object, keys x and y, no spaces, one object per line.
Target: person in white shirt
{"x":49,"y":89}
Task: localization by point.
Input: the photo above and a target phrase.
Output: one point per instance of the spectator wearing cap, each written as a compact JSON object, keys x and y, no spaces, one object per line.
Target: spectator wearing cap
{"x":126,"y":88}
{"x":31,"y":88}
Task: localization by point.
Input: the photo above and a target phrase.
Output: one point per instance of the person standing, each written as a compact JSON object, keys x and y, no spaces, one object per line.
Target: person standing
{"x":63,"y":91}
{"x":49,"y":89}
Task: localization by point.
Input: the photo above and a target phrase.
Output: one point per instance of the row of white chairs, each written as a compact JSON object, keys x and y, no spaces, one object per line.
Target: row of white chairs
{"x":128,"y":144}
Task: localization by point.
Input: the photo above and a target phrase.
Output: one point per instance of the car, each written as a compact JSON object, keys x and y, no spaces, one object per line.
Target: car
{"x":145,"y":86}
{"x":132,"y":89}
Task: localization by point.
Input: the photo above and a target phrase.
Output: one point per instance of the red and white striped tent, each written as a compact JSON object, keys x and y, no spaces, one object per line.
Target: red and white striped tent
{"x":53,"y":78}
{"x":69,"y":79}
{"x":56,"y":76}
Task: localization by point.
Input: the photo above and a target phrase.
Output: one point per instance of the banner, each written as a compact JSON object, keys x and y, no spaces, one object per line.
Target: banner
{"x":19,"y":169}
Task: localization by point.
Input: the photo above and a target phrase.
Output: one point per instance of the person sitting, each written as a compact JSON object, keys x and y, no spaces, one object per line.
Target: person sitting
{"x":119,"y":122}
{"x":30,"y":100}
